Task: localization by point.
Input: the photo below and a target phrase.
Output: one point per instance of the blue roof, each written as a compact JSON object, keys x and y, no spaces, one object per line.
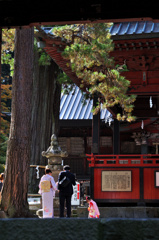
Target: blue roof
{"x":129,"y":28}
{"x":72,"y":107}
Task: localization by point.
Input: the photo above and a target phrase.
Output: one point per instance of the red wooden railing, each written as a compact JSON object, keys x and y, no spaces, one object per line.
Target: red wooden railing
{"x":140,"y":160}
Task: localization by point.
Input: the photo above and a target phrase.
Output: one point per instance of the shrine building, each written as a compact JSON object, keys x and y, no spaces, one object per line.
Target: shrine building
{"x":121,"y":157}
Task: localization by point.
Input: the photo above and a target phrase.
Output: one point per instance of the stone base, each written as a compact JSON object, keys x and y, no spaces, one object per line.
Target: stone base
{"x":34,"y":207}
{"x":79,"y":229}
{"x":122,"y":212}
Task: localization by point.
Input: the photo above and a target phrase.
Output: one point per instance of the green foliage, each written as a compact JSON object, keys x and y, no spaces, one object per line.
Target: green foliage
{"x":66,"y":82}
{"x":8,"y":63}
{"x":8,"y":59}
{"x":5,"y":124}
{"x":68,"y":86}
{"x":62,"y":78}
{"x":44,"y":58}
{"x":88,"y":48}
{"x":8,"y":48}
{"x":6,"y":96}
{"x":3,"y":147}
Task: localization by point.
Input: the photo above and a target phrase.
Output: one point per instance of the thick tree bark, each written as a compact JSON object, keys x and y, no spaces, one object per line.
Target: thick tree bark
{"x":45,"y":115}
{"x":14,"y":195}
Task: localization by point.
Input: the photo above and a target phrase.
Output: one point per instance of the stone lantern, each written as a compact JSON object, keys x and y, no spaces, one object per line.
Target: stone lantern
{"x":54,"y":155}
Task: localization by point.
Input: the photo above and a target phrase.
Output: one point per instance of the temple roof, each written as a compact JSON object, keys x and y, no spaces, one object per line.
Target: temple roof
{"x":128,"y":28}
{"x":135,"y":28}
{"x":72,"y":107}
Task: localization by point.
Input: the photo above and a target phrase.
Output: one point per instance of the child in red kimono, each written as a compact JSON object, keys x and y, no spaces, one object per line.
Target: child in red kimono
{"x":92,"y":208}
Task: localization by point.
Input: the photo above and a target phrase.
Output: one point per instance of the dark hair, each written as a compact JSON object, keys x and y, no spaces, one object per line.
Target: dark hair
{"x":88,"y":198}
{"x":66,"y":167}
{"x":47,"y":170}
{"x":1,"y":176}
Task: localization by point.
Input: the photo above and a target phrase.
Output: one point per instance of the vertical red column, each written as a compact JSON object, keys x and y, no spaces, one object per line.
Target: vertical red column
{"x":78,"y":191}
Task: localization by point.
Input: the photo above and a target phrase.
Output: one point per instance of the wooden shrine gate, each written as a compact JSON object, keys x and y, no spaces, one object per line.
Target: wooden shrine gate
{"x":124,"y":178}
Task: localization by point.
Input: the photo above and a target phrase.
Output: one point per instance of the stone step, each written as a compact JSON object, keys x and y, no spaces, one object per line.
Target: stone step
{"x":122,"y":212}
{"x":74,"y":213}
{"x":39,"y":212}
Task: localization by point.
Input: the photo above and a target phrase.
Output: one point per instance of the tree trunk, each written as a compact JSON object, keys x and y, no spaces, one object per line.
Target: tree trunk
{"x":45,"y":111}
{"x":14,"y":195}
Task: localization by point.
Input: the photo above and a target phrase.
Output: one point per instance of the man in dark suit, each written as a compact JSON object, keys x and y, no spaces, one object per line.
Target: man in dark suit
{"x":65,"y":193}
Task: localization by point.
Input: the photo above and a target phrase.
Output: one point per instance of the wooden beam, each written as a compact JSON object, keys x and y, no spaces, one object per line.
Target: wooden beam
{"x":95,"y":130}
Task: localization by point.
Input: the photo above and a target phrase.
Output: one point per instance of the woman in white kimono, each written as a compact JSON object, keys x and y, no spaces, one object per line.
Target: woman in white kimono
{"x":47,"y":188}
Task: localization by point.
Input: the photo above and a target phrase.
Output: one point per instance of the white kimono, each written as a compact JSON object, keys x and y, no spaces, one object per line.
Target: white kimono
{"x":47,"y":195}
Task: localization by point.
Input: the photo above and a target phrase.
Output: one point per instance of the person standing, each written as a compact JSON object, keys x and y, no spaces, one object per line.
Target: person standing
{"x":47,"y":188}
{"x":92,"y":208}
{"x":1,"y":180}
{"x":1,"y":184}
{"x":65,"y":192}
